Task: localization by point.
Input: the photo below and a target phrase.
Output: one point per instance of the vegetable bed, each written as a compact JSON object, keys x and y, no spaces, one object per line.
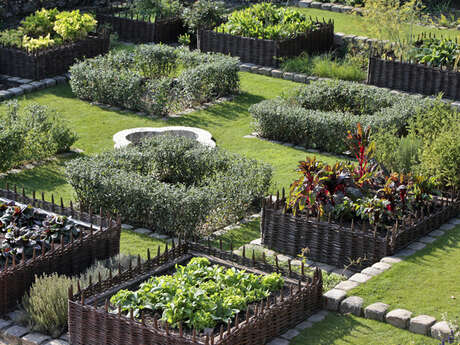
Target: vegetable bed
{"x":48,"y":42}
{"x":264,"y":33}
{"x":37,"y":242}
{"x":236,"y":300}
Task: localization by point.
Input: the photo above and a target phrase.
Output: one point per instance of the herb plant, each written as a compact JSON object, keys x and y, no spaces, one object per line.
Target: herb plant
{"x":198,"y":295}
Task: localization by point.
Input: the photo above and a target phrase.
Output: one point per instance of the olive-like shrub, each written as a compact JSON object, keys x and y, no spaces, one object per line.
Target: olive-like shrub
{"x":31,"y":133}
{"x":172,"y":184}
{"x":318,"y":115}
{"x":156,"y":79}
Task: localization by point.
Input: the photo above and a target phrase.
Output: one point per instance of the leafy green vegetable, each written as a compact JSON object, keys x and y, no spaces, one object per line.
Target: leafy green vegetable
{"x":268,"y":21}
{"x":199,"y":295}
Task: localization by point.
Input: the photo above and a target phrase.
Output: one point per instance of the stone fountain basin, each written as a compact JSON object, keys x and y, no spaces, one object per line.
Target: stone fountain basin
{"x":135,"y":135}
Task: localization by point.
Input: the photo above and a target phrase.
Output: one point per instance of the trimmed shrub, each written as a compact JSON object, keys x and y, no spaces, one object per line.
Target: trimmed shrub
{"x":31,"y":133}
{"x":146,"y":78}
{"x":171,"y":184}
{"x":319,"y":113}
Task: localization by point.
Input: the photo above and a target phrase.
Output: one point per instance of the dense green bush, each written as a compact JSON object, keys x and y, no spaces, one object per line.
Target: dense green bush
{"x":172,"y":184}
{"x":147,"y":78}
{"x":31,"y":133}
{"x":317,"y":114}
{"x":47,"y":28}
{"x":431,"y":146}
{"x":266,"y":20}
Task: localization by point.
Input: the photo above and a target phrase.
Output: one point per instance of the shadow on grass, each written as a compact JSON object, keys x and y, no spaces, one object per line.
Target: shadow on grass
{"x":44,"y":178}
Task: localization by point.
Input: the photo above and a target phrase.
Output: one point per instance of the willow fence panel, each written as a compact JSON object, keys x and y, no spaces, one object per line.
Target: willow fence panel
{"x":267,"y":52}
{"x":413,"y":77}
{"x":142,"y":29}
{"x":90,"y":319}
{"x":346,"y":245}
{"x":50,"y":62}
{"x":98,"y":240}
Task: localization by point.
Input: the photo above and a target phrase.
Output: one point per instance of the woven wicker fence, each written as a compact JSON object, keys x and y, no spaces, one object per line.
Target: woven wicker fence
{"x":344,"y":244}
{"x":50,"y":62}
{"x":100,"y":239}
{"x":267,"y":52}
{"x":91,"y":323}
{"x":140,"y":29}
{"x":415,"y":78}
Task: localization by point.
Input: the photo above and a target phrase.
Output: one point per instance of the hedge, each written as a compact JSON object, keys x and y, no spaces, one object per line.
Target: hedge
{"x":171,"y":184}
{"x":318,"y":115}
{"x":141,"y":80}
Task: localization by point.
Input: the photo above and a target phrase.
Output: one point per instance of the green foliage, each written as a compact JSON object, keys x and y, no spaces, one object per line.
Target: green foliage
{"x":172,"y":184}
{"x":158,"y":8}
{"x":268,"y":21}
{"x":435,"y":52}
{"x":31,"y":133}
{"x":47,"y":28}
{"x":319,"y":113}
{"x":40,"y":23}
{"x":143,"y":79}
{"x":11,"y":38}
{"x":441,"y":158}
{"x":430,"y":147}
{"x":73,"y":26}
{"x":199,"y":295}
{"x":203,"y":15}
{"x":46,"y":304}
{"x":325,"y":66}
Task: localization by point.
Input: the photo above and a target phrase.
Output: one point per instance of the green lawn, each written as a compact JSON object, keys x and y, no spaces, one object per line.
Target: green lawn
{"x":338,"y":329}
{"x":354,"y":24}
{"x":426,"y":283}
{"x":228,"y":122}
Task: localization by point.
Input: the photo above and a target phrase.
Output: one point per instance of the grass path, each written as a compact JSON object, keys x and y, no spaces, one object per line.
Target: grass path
{"x":426,"y":283}
{"x":338,"y":329}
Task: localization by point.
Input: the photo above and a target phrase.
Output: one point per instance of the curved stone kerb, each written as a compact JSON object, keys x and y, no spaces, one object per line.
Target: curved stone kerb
{"x":133,"y":135}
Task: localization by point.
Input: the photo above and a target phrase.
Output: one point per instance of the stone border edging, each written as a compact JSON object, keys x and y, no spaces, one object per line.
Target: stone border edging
{"x":337,"y":300}
{"x":28,"y":85}
{"x":304,"y":79}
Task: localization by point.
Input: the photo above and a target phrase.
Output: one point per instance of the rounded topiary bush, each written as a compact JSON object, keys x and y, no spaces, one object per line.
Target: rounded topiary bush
{"x":319,"y":114}
{"x":174,"y":185}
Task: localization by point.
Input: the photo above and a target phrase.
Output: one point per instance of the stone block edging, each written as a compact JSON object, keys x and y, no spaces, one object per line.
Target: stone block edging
{"x":28,"y":86}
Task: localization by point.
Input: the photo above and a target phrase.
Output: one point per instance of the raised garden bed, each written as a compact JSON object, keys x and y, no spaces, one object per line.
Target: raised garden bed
{"x":90,"y":319}
{"x":50,"y":62}
{"x":413,"y":77}
{"x":140,"y":29}
{"x":341,"y":244}
{"x":98,"y":238}
{"x":267,"y":52}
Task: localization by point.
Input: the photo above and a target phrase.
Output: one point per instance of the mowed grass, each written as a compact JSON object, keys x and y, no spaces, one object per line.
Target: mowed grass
{"x":426,"y":283}
{"x":338,"y":329}
{"x":355,"y":25}
{"x":228,"y":122}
